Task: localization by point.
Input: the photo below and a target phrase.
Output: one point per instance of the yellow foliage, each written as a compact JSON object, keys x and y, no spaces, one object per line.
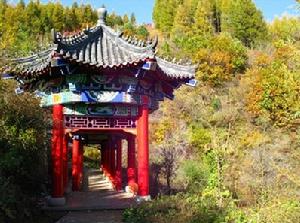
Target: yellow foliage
{"x":160,"y":130}
{"x":254,"y":94}
{"x":221,"y":60}
{"x":273,"y":85}
{"x":215,"y":67}
{"x":252,"y":139}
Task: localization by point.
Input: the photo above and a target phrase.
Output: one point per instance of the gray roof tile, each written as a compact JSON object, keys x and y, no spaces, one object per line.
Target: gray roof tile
{"x":102,"y":47}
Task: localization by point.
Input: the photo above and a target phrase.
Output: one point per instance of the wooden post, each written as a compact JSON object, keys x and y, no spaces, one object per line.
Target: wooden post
{"x":80,"y":164}
{"x":76,"y":163}
{"x":131,"y":162}
{"x":143,"y":150}
{"x":65,"y":161}
{"x":112,"y":149}
{"x":102,"y":156}
{"x":105,"y":158}
{"x":57,"y":152}
{"x":118,"y":173}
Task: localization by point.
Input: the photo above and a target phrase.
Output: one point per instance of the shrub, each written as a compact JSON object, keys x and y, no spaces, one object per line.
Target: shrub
{"x":23,"y":150}
{"x":274,"y":89}
{"x":91,"y":156}
{"x":223,"y":58}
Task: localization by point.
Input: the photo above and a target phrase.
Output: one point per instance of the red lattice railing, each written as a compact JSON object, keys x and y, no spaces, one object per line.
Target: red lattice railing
{"x":92,"y":122}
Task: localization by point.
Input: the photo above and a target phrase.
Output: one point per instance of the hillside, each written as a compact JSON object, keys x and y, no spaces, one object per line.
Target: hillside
{"x":228,"y":148}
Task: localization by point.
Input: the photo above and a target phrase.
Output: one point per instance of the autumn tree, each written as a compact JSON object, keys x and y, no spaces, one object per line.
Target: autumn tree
{"x":132,"y":19}
{"x":286,"y":29}
{"x":203,"y":18}
{"x":164,"y":13}
{"x":245,"y":22}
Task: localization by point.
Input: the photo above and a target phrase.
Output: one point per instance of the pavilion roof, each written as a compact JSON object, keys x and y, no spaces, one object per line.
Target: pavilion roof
{"x":99,"y":47}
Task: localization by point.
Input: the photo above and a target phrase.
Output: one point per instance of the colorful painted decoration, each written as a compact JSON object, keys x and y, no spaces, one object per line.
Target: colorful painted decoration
{"x":104,"y":97}
{"x":101,"y":110}
{"x":60,"y":98}
{"x":88,"y":97}
{"x":93,"y":88}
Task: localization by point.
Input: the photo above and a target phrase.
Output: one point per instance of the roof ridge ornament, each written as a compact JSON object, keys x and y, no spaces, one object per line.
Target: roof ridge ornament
{"x":102,"y":12}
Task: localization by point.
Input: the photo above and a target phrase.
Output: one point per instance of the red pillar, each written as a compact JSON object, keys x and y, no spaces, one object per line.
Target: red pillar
{"x":105,"y":158}
{"x":80,"y":164}
{"x":56,"y":152}
{"x":102,"y":156}
{"x":108,"y":160}
{"x":76,"y":164}
{"x":143,"y":149}
{"x":65,"y":161}
{"x":112,"y":161}
{"x":118,"y":173}
{"x":131,"y":161}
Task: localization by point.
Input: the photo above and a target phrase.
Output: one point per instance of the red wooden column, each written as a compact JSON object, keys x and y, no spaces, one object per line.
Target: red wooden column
{"x":102,"y":155}
{"x":109,"y":158}
{"x":143,"y":150}
{"x":118,"y":173}
{"x":80,"y":163}
{"x":131,"y":162}
{"x":112,"y":162}
{"x":105,"y":158}
{"x":65,"y":161}
{"x":56,"y":152}
{"x":76,"y":163}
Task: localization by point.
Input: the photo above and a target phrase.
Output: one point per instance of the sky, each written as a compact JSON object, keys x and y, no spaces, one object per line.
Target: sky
{"x":143,"y":8}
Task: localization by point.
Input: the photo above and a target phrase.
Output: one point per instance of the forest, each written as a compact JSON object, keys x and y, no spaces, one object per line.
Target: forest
{"x":227,"y":150}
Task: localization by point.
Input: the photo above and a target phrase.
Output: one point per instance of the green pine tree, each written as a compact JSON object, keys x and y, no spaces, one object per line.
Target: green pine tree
{"x":183,"y":20}
{"x":164,"y":13}
{"x":132,"y":19}
{"x":203,"y":18}
{"x":245,"y":22}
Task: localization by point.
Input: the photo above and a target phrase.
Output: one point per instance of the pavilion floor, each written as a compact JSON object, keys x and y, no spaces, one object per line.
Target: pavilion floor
{"x":97,"y":194}
{"x":106,"y":216}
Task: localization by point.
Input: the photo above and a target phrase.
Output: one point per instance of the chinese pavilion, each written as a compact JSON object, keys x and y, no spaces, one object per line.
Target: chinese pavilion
{"x":101,"y":87}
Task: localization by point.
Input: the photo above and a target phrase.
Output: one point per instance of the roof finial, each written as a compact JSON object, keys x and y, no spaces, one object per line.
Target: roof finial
{"x":102,"y":15}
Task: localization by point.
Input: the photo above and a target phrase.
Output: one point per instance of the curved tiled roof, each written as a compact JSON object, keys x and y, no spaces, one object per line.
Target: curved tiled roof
{"x":173,"y":70}
{"x":101,"y":47}
{"x":34,"y":64}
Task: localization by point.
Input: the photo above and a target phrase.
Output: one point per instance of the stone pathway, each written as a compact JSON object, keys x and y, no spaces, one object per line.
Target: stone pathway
{"x":98,"y":203}
{"x":92,"y":217}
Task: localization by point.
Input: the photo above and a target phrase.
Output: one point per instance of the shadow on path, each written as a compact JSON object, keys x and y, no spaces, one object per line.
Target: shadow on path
{"x":96,"y":203}
{"x":97,"y":194}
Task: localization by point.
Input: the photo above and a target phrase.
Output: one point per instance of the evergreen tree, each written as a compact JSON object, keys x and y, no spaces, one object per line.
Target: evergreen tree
{"x":33,"y":14}
{"x":114,"y":20}
{"x":58,"y":17}
{"x":24,"y":28}
{"x":203,"y":18}
{"x":183,"y":20}
{"x":89,"y":16}
{"x":142,"y":32}
{"x":125,"y":19}
{"x":132,"y":18}
{"x":245,"y":22}
{"x":164,"y":14}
